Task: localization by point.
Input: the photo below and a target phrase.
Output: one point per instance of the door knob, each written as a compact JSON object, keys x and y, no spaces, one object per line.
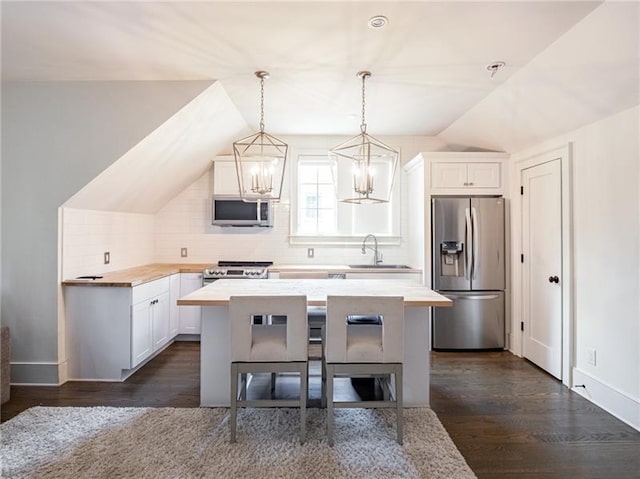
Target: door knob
{"x":554,"y":279}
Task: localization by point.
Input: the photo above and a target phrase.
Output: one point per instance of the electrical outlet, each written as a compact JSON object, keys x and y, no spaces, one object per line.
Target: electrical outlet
{"x":591,"y":356}
{"x":310,"y":253}
{"x":183,"y":252}
{"x":107,"y":257}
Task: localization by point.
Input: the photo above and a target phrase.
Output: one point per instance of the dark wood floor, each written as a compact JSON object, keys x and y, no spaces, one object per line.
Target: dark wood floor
{"x":507,"y":417}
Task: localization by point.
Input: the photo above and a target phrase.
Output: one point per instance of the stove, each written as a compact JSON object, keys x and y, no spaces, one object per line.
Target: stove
{"x":236,"y":269}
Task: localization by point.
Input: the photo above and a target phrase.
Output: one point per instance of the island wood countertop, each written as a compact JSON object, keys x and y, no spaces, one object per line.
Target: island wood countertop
{"x":138,"y":275}
{"x":316,"y":290}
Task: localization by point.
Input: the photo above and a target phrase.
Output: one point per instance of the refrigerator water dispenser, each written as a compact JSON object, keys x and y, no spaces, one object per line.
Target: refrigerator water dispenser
{"x":450,"y":257}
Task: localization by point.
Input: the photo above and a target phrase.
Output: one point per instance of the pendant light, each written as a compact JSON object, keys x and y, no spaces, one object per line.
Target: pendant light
{"x":260,"y":159}
{"x":369,"y":157}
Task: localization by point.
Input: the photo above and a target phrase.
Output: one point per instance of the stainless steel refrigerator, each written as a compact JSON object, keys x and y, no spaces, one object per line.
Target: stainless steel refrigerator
{"x":469,"y":268}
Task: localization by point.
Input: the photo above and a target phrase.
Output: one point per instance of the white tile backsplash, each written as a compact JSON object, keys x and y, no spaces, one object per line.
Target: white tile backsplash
{"x":185,"y":222}
{"x":87,"y":234}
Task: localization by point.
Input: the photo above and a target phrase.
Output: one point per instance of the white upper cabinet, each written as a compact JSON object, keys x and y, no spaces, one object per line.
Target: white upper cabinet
{"x":467,"y":173}
{"x":225,"y":178}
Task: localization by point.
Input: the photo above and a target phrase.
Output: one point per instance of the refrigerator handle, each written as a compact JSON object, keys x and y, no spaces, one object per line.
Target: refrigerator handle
{"x":474,"y":221}
{"x":467,"y":249}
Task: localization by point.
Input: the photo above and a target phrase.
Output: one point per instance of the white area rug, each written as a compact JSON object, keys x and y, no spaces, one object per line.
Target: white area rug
{"x":105,"y":442}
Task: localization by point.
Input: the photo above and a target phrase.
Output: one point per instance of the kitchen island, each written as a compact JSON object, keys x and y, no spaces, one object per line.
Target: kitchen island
{"x":214,"y":337}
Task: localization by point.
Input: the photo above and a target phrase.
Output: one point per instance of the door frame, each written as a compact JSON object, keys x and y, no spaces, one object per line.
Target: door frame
{"x":520,"y":163}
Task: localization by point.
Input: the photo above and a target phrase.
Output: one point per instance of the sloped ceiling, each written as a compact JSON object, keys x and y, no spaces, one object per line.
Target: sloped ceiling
{"x":428,"y":64}
{"x":591,"y":72}
{"x":169,"y":159}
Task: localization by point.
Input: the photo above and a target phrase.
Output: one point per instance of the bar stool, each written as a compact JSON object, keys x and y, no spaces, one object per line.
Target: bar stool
{"x":365,"y":349}
{"x":268,"y":348}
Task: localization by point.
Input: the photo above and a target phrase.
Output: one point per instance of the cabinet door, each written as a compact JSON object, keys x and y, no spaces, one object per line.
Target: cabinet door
{"x":190,"y":316}
{"x":140,"y":332}
{"x":225,"y":178}
{"x":174,"y":294}
{"x":483,"y":175}
{"x":160,"y":320}
{"x":448,"y":175}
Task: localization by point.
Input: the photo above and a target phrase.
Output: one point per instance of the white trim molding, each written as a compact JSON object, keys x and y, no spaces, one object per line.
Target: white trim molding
{"x":520,"y":163}
{"x":615,"y":402}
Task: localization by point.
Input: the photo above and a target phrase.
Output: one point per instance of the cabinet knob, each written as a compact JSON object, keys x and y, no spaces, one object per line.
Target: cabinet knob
{"x":471,"y":183}
{"x":554,"y":279}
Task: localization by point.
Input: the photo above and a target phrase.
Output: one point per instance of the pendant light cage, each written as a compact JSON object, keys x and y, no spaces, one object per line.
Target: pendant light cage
{"x":260,"y":160}
{"x":373,"y":163}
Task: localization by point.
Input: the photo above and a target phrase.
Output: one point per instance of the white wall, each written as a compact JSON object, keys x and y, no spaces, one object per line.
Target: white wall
{"x":606,"y":249}
{"x":88,"y":234}
{"x":185,"y":221}
{"x":56,"y":137}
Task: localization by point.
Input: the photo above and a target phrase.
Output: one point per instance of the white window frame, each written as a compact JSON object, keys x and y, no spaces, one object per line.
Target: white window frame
{"x":384,"y":238}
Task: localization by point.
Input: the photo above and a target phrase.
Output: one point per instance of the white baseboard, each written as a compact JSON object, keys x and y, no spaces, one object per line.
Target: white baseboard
{"x":615,"y":402}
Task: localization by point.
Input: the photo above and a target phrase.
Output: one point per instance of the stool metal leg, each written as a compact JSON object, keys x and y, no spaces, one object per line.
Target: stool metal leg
{"x":234,"y":399}
{"x":399,"y":408}
{"x":304,"y":385}
{"x":329,"y":388}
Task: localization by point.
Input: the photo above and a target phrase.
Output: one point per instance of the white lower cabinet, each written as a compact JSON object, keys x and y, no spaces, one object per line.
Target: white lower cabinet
{"x":140,"y":332}
{"x":160,"y":321}
{"x":174,"y":310}
{"x":112,"y":330}
{"x":190,"y":316}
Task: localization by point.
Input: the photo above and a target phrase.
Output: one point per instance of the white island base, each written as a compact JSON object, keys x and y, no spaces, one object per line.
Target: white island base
{"x":215,"y":357}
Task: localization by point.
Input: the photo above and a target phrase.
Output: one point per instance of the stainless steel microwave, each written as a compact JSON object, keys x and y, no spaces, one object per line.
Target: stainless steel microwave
{"x":233,"y":211}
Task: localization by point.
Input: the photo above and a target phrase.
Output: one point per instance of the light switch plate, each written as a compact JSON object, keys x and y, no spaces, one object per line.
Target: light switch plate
{"x":183,"y":252}
{"x":591,"y":356}
{"x":107,"y":257}
{"x":310,"y":253}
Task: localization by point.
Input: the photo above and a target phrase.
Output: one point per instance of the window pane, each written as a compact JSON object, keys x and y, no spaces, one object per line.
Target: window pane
{"x":317,"y":210}
{"x":307,"y":174}
{"x":307,"y":221}
{"x":327,"y":197}
{"x":326,"y":222}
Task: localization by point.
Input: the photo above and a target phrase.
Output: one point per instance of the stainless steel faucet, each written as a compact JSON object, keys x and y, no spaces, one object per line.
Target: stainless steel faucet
{"x":377,"y":257}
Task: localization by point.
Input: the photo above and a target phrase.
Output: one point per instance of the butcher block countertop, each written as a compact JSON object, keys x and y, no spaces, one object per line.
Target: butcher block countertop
{"x":150,"y":272}
{"x":138,"y":275}
{"x":316,"y":290}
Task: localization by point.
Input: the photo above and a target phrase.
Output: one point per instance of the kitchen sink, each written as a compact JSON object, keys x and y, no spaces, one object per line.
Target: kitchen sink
{"x":380,"y":266}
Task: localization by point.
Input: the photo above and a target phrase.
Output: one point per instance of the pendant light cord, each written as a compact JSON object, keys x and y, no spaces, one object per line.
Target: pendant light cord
{"x":363,"y":125}
{"x":262,"y":105}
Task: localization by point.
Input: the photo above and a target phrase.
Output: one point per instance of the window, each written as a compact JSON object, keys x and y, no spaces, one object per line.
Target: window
{"x":317,"y":200}
{"x":317,"y":215}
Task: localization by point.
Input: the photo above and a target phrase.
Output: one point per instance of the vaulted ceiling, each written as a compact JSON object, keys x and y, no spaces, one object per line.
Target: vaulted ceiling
{"x":428,"y":63}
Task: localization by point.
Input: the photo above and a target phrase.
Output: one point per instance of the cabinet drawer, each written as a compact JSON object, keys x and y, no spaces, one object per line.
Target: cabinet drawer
{"x":150,"y":289}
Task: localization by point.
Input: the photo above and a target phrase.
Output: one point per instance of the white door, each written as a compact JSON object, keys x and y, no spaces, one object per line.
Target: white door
{"x":542,"y":266}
